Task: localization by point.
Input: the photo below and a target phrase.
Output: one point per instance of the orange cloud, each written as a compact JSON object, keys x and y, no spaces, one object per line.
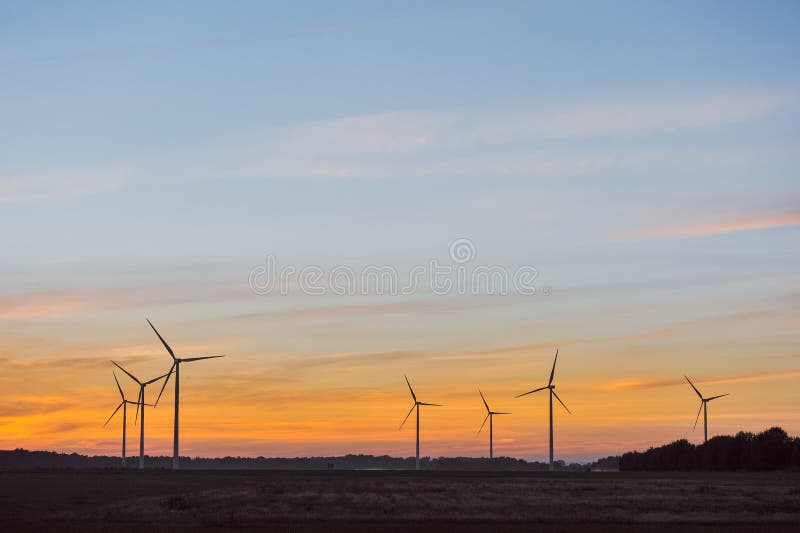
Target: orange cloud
{"x":714,"y":228}
{"x":326,"y":397}
{"x":643,"y":383}
{"x":28,"y":406}
{"x":41,"y":304}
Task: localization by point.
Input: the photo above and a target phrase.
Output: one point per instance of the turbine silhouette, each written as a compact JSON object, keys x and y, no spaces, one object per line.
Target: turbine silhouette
{"x":552,"y":389}
{"x":489,"y":415}
{"x":124,"y":405}
{"x":176,"y":367}
{"x":704,"y":408}
{"x":140,"y":402}
{"x":416,"y":406}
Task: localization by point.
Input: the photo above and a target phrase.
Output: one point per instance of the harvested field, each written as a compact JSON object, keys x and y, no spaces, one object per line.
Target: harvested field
{"x":300,"y":501}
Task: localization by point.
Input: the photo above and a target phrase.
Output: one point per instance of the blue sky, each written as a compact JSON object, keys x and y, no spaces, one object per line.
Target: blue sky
{"x":102,"y":91}
{"x":642,"y":156}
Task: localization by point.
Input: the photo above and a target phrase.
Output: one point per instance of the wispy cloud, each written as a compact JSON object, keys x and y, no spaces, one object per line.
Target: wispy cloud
{"x":478,"y":141}
{"x":463,"y":142}
{"x":32,"y":406}
{"x":353,"y":359}
{"x":42,"y":304}
{"x":665,"y":116}
{"x":36,"y":184}
{"x":55,"y":362}
{"x":189,"y":46}
{"x":70,"y":301}
{"x":649,"y":383}
{"x":398,"y":305}
{"x":703,"y":228}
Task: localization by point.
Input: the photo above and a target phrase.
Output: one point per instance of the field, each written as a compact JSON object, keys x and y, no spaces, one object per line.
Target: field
{"x":396,"y":501}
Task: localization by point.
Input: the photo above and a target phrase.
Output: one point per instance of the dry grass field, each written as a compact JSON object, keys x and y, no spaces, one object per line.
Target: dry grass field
{"x":361,"y":501}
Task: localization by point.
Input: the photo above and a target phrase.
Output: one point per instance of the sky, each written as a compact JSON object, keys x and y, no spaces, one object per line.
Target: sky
{"x":633,"y":164}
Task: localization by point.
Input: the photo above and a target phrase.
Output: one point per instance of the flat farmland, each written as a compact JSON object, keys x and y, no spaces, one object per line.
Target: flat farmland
{"x":396,"y":501}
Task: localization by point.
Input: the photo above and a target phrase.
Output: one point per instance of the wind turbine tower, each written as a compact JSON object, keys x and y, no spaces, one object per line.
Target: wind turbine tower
{"x":416,"y":406}
{"x":124,"y":405}
{"x":140,"y":403}
{"x":489,"y":416}
{"x":176,"y":367}
{"x":704,"y":408}
{"x":552,"y":389}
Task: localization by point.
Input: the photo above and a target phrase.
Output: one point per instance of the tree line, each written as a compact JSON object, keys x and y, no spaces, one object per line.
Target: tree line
{"x":772,"y":449}
{"x":21,"y":459}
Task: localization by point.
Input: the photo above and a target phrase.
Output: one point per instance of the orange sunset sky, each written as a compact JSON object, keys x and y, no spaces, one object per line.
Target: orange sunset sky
{"x":640,"y":163}
{"x":324,"y":374}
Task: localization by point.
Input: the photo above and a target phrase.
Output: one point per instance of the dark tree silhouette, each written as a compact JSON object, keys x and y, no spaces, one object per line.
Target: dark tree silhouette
{"x":772,"y":449}
{"x":20,"y":459}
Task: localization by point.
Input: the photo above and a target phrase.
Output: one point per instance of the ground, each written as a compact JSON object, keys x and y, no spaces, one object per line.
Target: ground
{"x":397,"y":501}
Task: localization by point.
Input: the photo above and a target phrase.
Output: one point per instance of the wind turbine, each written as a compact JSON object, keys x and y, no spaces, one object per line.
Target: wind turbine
{"x":140,"y":402}
{"x":124,"y":405}
{"x":489,"y":415}
{"x":552,"y":388}
{"x":704,"y":408}
{"x":416,"y":406}
{"x":176,"y":367}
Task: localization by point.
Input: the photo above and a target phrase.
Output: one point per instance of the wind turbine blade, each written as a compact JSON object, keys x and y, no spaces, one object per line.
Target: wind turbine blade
{"x":164,"y":386}
{"x":112,"y":414}
{"x":484,"y":423}
{"x":118,"y":386}
{"x":562,"y":403}
{"x":553,"y":371}
{"x":159,"y":377}
{"x":409,"y":414}
{"x":698,"y":416}
{"x":530,"y":392}
{"x":718,"y":396}
{"x":190,"y":359}
{"x":129,"y":374}
{"x":432,"y":404}
{"x":161,"y":339}
{"x":695,"y":388}
{"x":138,"y":403}
{"x":484,"y":401}
{"x":499,"y":413}
{"x":412,"y":390}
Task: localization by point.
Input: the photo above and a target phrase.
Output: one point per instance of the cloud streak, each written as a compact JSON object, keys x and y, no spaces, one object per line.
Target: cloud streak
{"x":42,"y":304}
{"x":485,"y":142}
{"x":649,"y":383}
{"x":19,"y":186}
{"x":25,"y":407}
{"x":701,"y":229}
{"x":480,"y":141}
